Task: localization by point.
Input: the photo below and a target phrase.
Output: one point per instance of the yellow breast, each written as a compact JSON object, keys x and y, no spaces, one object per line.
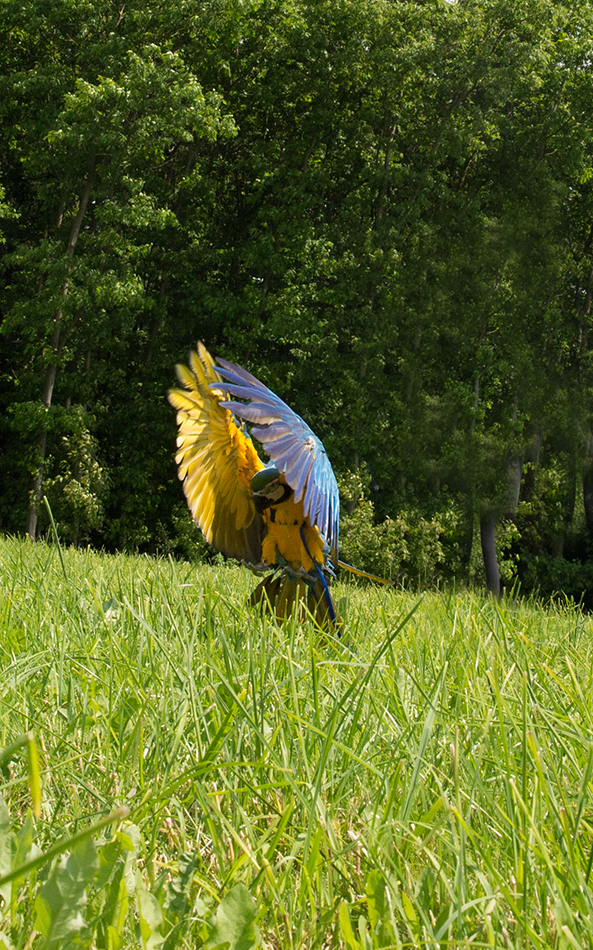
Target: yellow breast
{"x":284,"y":523}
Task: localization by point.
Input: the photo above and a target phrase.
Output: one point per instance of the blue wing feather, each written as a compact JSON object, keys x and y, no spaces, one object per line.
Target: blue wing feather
{"x":291,"y":444}
{"x":300,"y":472}
{"x":280,"y":445}
{"x":280,"y":431}
{"x":254,"y":412}
{"x":291,"y":463}
{"x":233,"y":370}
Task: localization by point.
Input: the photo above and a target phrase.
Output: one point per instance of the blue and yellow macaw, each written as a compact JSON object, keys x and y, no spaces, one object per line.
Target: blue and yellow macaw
{"x":281,"y":517}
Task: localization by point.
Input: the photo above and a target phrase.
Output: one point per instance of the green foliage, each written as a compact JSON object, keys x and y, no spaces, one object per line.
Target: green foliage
{"x":90,"y":895}
{"x":188,"y":539}
{"x":424,"y":780}
{"x":61,"y":903}
{"x":409,"y":549}
{"x":234,"y":921}
{"x":381,"y":208}
{"x":381,"y":928}
{"x":77,"y":493}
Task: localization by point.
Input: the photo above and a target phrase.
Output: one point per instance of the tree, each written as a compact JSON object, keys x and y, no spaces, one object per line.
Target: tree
{"x":98,"y":154}
{"x":382,"y":209}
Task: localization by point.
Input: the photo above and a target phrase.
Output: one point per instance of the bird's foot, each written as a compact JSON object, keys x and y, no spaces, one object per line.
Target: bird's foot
{"x":262,"y":568}
{"x":301,"y":574}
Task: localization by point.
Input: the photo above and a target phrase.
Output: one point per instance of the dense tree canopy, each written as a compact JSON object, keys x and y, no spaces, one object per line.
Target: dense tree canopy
{"x":382,"y":208}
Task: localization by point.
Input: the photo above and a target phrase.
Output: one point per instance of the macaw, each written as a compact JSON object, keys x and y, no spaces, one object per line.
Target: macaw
{"x":281,"y":517}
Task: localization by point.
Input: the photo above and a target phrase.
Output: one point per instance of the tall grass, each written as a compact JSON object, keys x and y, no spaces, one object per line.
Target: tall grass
{"x":425,"y":780}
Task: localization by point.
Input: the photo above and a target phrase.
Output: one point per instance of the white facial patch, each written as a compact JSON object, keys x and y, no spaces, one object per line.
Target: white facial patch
{"x":274,"y":490}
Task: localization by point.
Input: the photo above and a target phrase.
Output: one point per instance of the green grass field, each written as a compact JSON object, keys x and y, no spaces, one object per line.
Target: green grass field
{"x":426,"y":780}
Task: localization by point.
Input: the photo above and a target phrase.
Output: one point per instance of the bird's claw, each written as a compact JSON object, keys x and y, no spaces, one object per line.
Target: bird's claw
{"x":301,"y":574}
{"x":262,"y":568}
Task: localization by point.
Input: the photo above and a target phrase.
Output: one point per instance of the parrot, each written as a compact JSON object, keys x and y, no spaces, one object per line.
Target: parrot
{"x":279,"y":517}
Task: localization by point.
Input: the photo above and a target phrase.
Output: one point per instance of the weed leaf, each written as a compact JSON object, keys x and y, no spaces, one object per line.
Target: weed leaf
{"x":61,"y":903}
{"x":150,"y":915}
{"x":5,"y":851}
{"x":234,"y":921}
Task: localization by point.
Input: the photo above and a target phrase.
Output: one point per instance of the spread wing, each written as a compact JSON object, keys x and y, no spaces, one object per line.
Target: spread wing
{"x":216,"y":461}
{"x":297,"y":452}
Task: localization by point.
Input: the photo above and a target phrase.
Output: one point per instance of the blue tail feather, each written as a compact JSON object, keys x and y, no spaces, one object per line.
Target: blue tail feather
{"x":327,"y":595}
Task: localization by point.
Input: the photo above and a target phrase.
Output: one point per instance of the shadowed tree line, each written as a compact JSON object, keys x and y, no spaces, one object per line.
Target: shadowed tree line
{"x":382,"y":209}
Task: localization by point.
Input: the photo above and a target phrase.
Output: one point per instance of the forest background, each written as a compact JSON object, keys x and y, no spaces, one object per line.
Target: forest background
{"x":382,"y":209}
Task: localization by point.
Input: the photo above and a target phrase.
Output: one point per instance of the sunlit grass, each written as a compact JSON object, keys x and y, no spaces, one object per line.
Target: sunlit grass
{"x":424,"y":780}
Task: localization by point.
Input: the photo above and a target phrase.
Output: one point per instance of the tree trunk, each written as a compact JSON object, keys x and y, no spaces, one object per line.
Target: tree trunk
{"x":588,"y":492}
{"x":487,"y":530}
{"x":488,"y":525}
{"x":55,"y":348}
{"x":514,"y":472}
{"x":532,"y":454}
{"x":514,"y":475}
{"x":506,"y":504}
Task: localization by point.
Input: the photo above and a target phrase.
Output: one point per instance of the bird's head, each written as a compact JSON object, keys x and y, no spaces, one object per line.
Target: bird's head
{"x":267,"y":488}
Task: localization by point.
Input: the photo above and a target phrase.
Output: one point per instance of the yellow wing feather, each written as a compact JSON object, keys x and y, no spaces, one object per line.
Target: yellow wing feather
{"x":216,"y":462}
